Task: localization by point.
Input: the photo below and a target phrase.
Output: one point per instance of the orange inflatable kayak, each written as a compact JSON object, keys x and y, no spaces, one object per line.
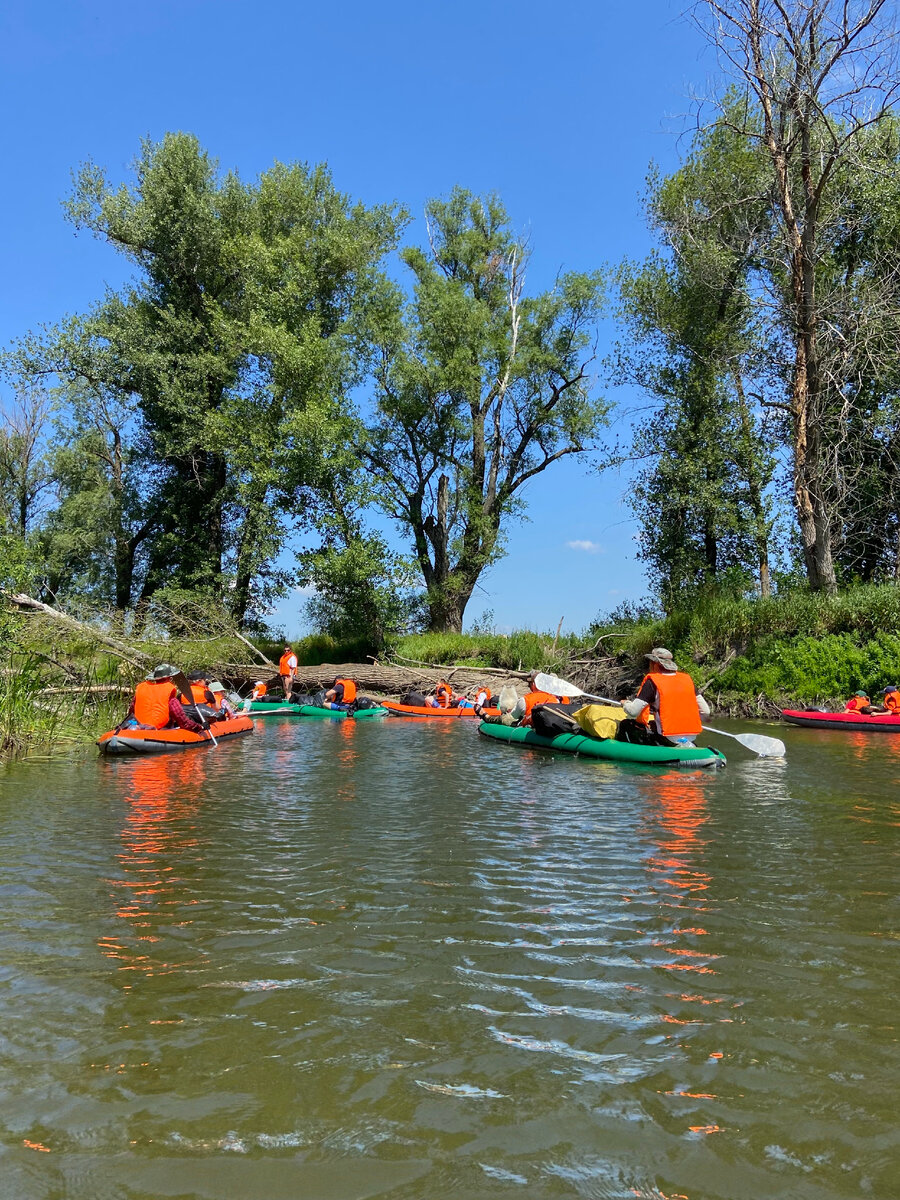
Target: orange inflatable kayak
{"x":414,"y":710}
{"x":164,"y":741}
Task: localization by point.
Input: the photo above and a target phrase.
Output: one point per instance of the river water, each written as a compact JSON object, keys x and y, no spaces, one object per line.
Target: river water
{"x":333,"y":961}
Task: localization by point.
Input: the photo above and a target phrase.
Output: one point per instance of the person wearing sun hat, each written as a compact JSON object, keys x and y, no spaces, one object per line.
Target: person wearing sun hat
{"x":224,"y":710}
{"x":668,"y":697}
{"x":156,"y":704}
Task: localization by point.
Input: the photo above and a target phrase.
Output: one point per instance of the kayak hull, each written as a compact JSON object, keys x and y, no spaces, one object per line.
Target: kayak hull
{"x":336,"y":714}
{"x":264,"y":708}
{"x":849,"y":722}
{"x":414,"y":710}
{"x":168,"y":741}
{"x":269,"y":708}
{"x":607,"y":749}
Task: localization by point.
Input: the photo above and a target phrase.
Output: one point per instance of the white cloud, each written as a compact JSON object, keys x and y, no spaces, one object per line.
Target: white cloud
{"x":587,"y":547}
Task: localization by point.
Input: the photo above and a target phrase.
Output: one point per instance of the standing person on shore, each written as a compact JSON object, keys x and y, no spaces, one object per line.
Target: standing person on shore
{"x":669,"y":698}
{"x":287,"y":669}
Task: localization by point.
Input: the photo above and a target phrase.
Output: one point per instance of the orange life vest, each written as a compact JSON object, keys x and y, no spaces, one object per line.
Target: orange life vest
{"x":678,"y":715}
{"x":443,"y":693}
{"x":151,"y":702}
{"x":892,"y":702}
{"x":198,"y":693}
{"x":259,"y":690}
{"x":284,"y":664}
{"x":349,"y":690}
{"x":533,"y":698}
{"x":856,"y":703}
{"x":487,"y":696}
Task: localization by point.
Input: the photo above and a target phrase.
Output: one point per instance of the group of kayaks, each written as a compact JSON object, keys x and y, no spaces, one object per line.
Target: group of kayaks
{"x":132,"y":741}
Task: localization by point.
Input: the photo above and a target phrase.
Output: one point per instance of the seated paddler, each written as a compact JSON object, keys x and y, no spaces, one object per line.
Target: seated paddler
{"x":156,"y":704}
{"x":667,"y":700}
{"x":890,"y":702}
{"x":340,"y":695}
{"x":859,"y":703}
{"x":222,"y":707}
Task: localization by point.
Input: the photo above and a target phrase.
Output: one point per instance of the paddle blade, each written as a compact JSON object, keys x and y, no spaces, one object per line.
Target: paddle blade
{"x":758,"y":743}
{"x":765,"y":747}
{"x":556,"y":686}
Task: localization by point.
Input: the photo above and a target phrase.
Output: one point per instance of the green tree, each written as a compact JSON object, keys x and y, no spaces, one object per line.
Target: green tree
{"x":818,"y":75}
{"x":26,"y":479}
{"x":478,"y":390}
{"x":693,"y":342}
{"x":240,"y":332}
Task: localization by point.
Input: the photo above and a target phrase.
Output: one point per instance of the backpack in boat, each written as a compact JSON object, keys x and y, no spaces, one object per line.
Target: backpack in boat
{"x":414,"y":700}
{"x":599,"y":720}
{"x":549,"y":721}
{"x":363,"y":702}
{"x":638,"y":734}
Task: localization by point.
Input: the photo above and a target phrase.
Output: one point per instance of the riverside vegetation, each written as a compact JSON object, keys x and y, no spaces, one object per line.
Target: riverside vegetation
{"x":752,"y":657}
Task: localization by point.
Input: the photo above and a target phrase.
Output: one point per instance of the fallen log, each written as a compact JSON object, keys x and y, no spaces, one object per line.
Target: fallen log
{"x":448,"y":671}
{"x":96,"y":688}
{"x":136,"y":657}
{"x":382,"y":678}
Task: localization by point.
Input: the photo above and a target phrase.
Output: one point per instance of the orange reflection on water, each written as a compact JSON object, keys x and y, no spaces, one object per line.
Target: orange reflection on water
{"x":676,"y":814}
{"x":679,"y":806}
{"x":162,"y":798}
{"x":346,"y":757}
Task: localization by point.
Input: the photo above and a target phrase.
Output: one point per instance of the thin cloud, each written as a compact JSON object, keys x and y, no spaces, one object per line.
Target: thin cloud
{"x":587,"y":547}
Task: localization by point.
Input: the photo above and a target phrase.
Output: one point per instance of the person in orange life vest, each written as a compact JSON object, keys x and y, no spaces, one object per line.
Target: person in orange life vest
{"x":200,"y":705}
{"x":223,"y":710}
{"x":478,"y":698}
{"x":287,"y":669}
{"x":669,"y":698}
{"x":341,"y":694}
{"x":890,"y":702}
{"x":533,"y":697}
{"x":259,"y":691}
{"x":156,"y":704}
{"x":442,"y":698}
{"x":858,"y":704}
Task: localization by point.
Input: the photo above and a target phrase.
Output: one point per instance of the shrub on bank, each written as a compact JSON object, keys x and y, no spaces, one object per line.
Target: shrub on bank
{"x":811,"y":669}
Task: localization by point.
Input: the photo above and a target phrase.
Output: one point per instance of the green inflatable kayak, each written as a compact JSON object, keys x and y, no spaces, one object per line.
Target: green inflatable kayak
{"x":362,"y":714}
{"x":264,"y":708}
{"x":612,"y":751}
{"x":267,"y":708}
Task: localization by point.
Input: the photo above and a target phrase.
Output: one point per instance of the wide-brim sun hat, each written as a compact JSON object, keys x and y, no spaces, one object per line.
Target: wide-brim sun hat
{"x":215,"y":686}
{"x":163,"y":671}
{"x":659,"y":654}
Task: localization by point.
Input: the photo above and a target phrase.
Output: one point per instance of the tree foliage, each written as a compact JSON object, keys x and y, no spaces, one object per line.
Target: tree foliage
{"x":694,"y":345}
{"x":478,"y":389}
{"x":237,"y":341}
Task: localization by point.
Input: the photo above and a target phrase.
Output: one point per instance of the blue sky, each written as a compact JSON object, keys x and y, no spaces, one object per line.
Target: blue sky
{"x":560,"y":108}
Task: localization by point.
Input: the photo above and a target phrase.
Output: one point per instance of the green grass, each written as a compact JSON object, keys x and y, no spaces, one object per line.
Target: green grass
{"x":802,"y":646}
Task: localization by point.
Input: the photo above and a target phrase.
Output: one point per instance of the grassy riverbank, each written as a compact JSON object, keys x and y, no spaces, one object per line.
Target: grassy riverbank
{"x":752,"y":656}
{"x":760,"y":655}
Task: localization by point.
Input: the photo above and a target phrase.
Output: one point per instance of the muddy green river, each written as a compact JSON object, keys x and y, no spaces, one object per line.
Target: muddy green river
{"x":333,"y":961}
